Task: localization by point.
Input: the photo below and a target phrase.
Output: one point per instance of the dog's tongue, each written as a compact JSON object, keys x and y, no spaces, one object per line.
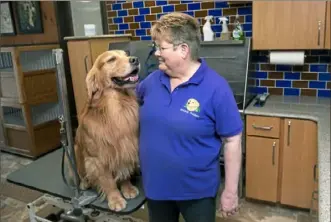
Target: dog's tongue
{"x":132,"y":78}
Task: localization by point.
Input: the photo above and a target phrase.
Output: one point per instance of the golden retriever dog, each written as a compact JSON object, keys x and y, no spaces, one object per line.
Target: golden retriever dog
{"x":106,"y":141}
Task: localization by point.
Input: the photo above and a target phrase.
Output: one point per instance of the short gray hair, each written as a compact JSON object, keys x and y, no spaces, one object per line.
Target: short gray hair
{"x":177,"y":28}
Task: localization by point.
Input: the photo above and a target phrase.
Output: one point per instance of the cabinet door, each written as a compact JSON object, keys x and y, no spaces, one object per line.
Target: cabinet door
{"x":98,"y":46}
{"x":262,"y":168}
{"x":80,"y":64}
{"x":288,"y":24}
{"x":299,"y":158}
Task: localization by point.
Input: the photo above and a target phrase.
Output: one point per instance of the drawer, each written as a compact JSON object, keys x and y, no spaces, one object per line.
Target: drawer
{"x":263,"y":126}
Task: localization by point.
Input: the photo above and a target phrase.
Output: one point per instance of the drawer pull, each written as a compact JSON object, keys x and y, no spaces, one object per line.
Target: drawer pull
{"x":262,"y":127}
{"x":319,"y":33}
{"x":273,"y":153}
{"x":85,"y":63}
{"x":288,"y":132}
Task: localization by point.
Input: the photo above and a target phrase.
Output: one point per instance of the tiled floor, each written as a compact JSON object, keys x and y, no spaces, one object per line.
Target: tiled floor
{"x":11,"y":209}
{"x":14,"y":199}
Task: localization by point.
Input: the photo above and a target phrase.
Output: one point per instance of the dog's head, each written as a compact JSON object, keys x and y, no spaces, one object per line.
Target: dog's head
{"x":112,"y":69}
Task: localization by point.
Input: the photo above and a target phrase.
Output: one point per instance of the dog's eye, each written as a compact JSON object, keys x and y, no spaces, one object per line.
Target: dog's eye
{"x":127,"y":52}
{"x":111,"y":59}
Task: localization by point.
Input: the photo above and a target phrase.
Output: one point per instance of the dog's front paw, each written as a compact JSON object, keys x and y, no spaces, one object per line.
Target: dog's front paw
{"x":84,"y":184}
{"x":130,"y":191}
{"x":116,"y":202}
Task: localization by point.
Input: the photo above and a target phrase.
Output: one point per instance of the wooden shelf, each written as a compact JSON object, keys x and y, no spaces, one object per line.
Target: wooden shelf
{"x":223,"y":42}
{"x":10,"y":102}
{"x":15,"y":127}
{"x":38,"y":72}
{"x":18,"y":151}
{"x":36,"y":47}
{"x":6,"y":74}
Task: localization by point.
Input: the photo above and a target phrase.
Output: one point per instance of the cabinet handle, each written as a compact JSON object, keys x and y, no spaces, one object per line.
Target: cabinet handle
{"x":288,"y":132}
{"x":319,"y":33}
{"x":273,"y":153}
{"x":315,"y":173}
{"x":262,"y":127}
{"x":85,"y":63}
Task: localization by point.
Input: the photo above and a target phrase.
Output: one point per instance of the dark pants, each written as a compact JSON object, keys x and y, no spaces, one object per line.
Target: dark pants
{"x":201,"y":210}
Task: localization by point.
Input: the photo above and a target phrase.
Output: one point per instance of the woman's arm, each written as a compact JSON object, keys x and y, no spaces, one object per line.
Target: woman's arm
{"x":232,"y":158}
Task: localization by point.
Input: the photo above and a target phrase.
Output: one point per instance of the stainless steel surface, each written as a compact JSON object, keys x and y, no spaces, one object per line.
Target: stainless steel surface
{"x":247,"y":95}
{"x":65,"y":111}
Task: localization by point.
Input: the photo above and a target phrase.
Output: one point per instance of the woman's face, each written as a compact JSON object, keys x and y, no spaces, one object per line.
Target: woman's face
{"x":169,"y":56}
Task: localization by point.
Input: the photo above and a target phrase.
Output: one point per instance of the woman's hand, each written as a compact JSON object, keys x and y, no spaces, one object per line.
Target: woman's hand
{"x":228,"y":203}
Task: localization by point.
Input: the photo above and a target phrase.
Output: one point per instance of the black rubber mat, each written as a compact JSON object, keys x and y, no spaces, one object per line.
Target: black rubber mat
{"x":44,"y":174}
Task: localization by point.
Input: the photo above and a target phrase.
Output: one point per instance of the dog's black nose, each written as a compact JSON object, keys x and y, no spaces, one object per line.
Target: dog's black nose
{"x":133,"y":60}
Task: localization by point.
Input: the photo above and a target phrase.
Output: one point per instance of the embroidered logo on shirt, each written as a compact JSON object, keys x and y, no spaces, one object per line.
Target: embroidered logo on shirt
{"x":192,"y":107}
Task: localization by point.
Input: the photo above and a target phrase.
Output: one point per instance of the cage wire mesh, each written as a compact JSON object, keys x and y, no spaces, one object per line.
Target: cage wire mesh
{"x":45,"y":112}
{"x":13,"y":116}
{"x":30,"y":61}
{"x":36,"y":60}
{"x":6,"y":63}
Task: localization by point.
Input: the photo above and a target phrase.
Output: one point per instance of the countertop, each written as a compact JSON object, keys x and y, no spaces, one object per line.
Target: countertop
{"x":96,"y":37}
{"x":311,"y":108}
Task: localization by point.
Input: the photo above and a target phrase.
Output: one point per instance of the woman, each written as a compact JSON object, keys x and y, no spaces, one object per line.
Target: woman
{"x":187,"y":111}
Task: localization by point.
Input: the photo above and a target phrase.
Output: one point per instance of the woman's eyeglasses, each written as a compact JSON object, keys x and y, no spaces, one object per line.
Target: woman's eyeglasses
{"x":159,"y":48}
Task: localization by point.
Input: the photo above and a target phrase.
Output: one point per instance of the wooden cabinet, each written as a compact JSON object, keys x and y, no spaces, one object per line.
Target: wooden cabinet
{"x":281,"y":155}
{"x":291,"y":25}
{"x":29,"y":103}
{"x":298,"y":161}
{"x":262,"y":165}
{"x":82,"y":53}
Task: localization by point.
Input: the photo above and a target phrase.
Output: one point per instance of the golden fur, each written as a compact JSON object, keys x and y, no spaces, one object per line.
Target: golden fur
{"x":106,"y":142}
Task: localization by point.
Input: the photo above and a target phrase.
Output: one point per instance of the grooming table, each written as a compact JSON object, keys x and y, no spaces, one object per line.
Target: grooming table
{"x":44,"y":175}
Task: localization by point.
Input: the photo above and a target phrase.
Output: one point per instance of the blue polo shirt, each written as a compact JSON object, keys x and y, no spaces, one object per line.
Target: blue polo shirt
{"x":180,"y":132}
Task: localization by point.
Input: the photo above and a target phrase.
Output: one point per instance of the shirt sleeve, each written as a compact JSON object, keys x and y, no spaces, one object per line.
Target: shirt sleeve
{"x":140,"y":92}
{"x":227,"y":116}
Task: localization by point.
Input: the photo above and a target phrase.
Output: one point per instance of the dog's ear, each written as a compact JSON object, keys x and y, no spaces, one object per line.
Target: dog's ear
{"x":91,"y":83}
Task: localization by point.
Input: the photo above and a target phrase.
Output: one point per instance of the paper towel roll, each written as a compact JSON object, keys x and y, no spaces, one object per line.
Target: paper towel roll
{"x":287,"y":58}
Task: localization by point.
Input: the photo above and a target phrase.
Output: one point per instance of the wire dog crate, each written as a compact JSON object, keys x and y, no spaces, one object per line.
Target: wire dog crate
{"x":29,"y":100}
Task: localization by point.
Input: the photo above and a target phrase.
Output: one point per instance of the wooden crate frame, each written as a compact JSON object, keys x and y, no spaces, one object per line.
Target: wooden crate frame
{"x":29,"y":140}
{"x":26,"y":82}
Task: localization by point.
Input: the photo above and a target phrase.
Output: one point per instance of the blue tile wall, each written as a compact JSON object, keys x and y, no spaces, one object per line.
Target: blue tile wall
{"x":311,"y":79}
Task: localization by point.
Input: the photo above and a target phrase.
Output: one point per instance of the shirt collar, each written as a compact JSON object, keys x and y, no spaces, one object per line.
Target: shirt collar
{"x":195,"y":79}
